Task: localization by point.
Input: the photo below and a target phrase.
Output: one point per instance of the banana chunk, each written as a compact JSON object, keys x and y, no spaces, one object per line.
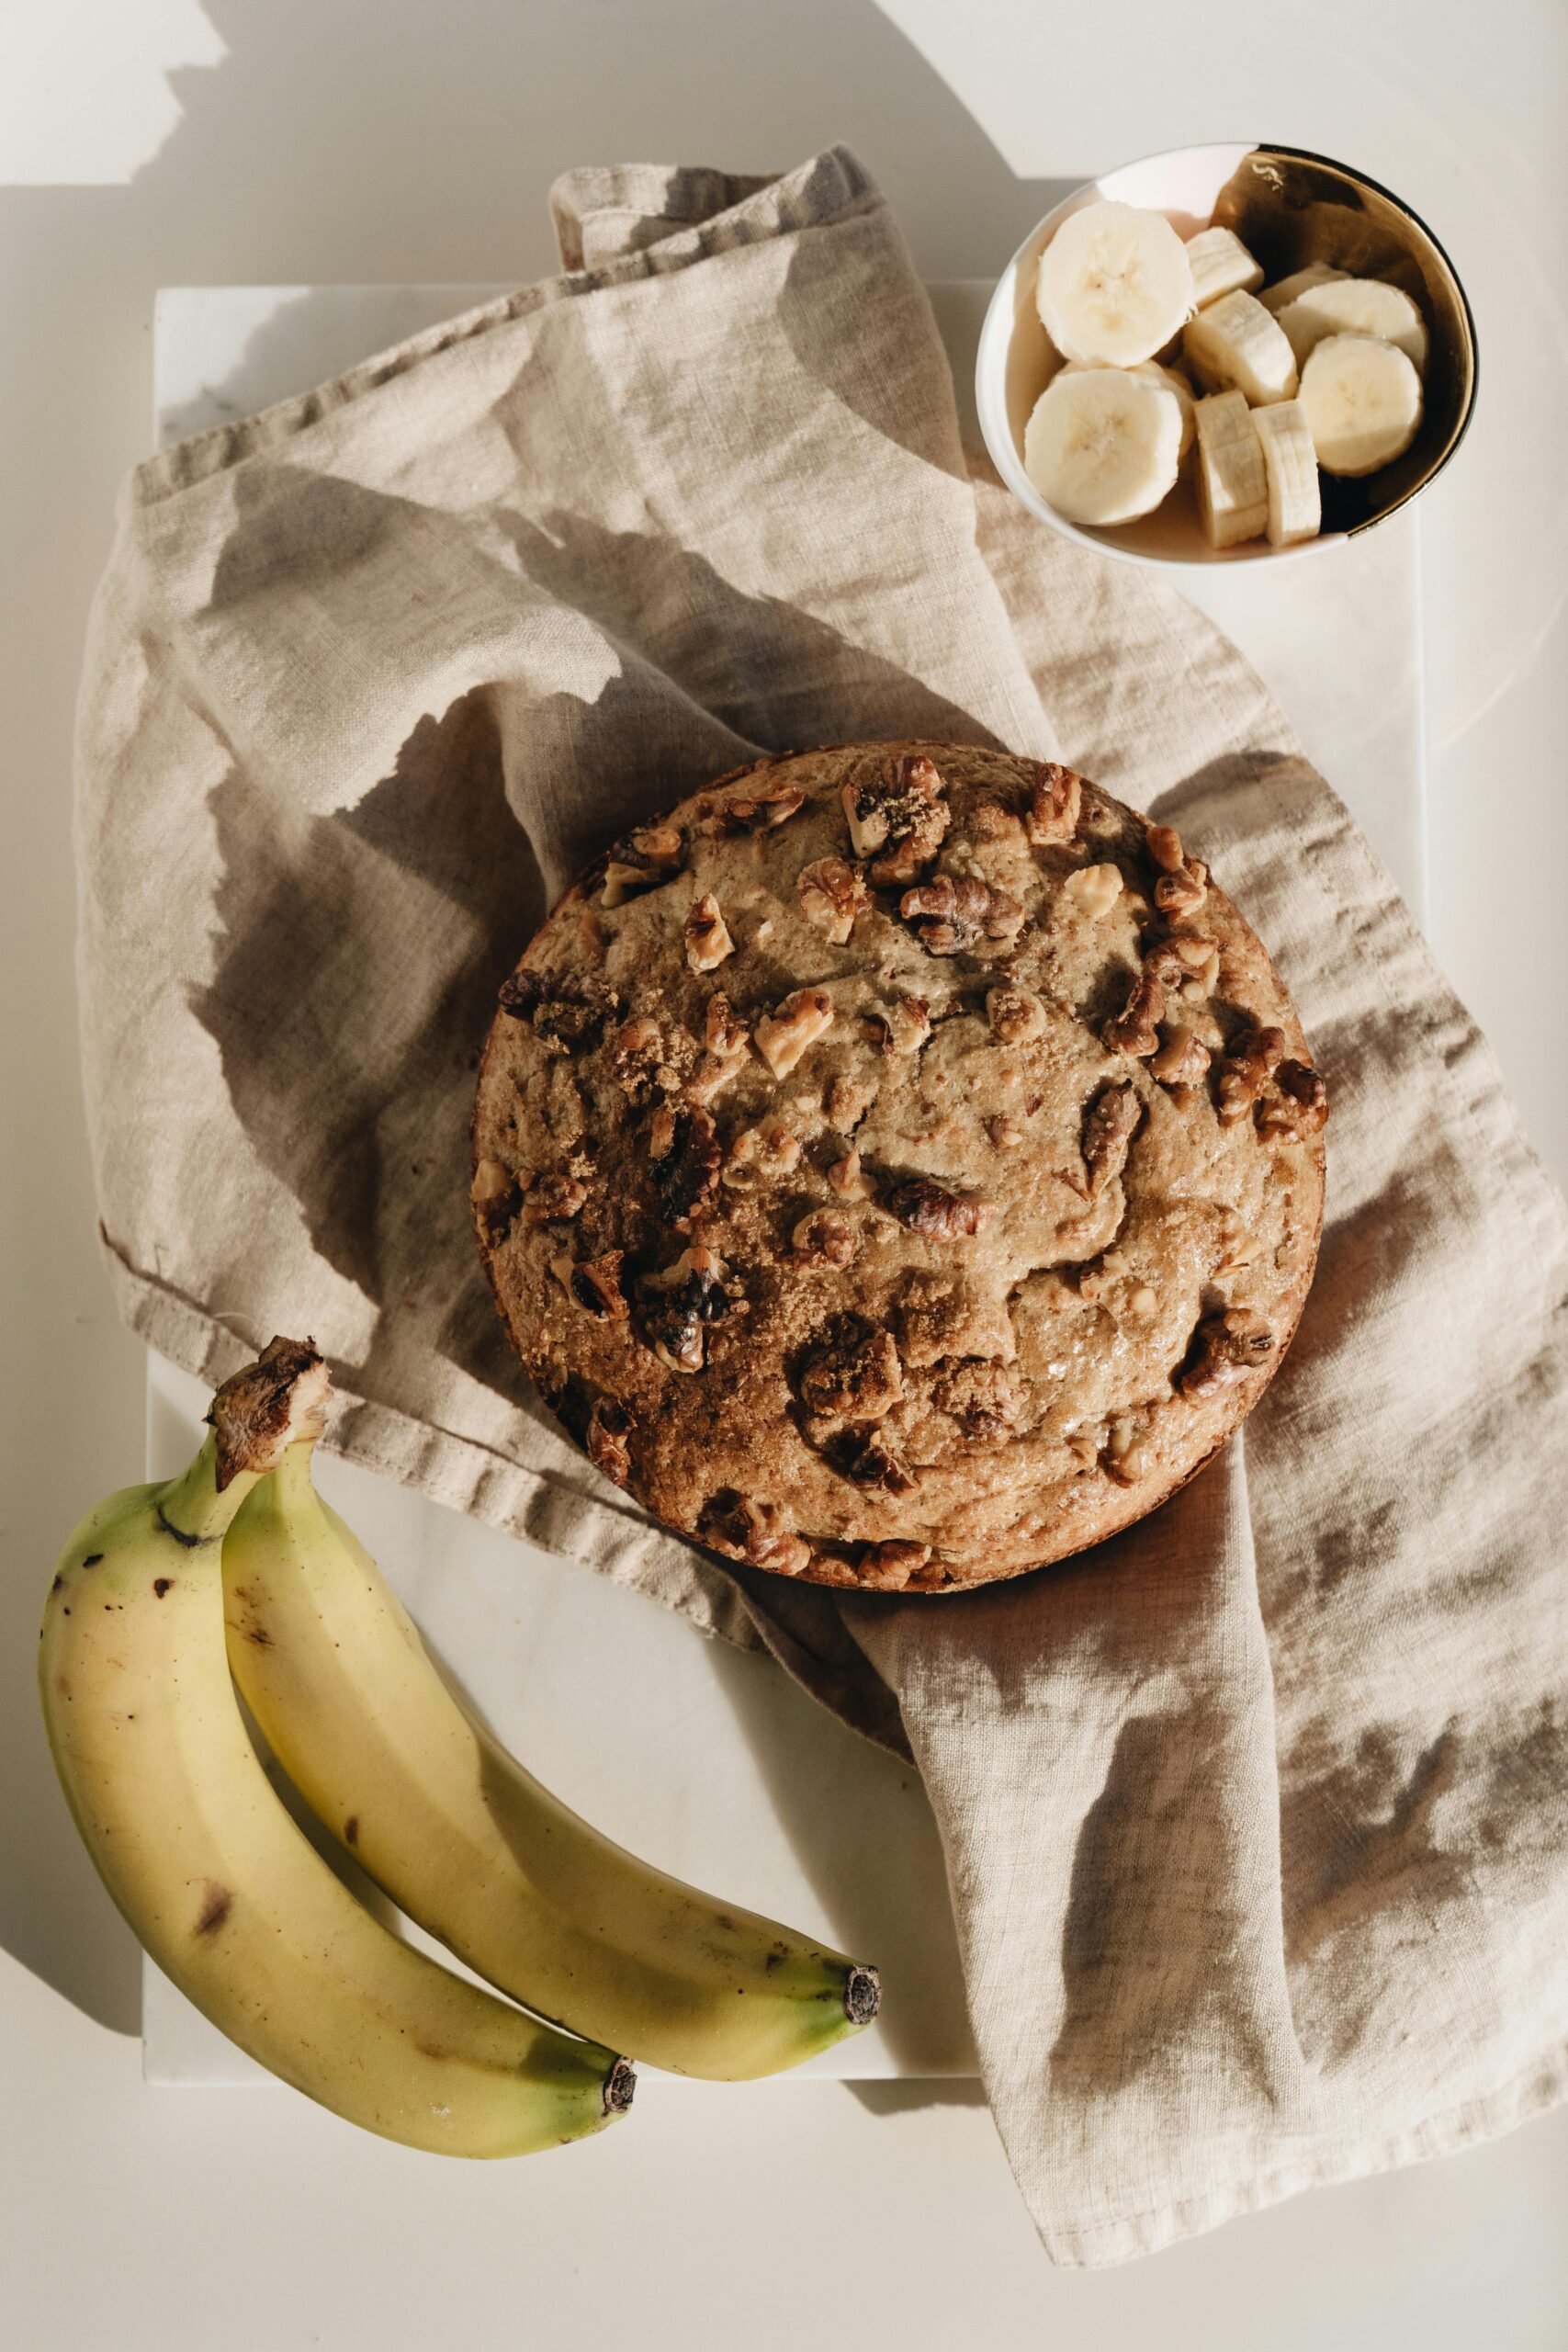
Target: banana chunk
{"x":1290,"y":464}
{"x":1114,"y":286}
{"x":1171,"y":379}
{"x":1220,"y":263}
{"x":1234,"y":344}
{"x":1362,"y":399}
{"x":1354,"y":306}
{"x":1232,"y":485}
{"x":1316,"y":273}
{"x":1103,"y":443}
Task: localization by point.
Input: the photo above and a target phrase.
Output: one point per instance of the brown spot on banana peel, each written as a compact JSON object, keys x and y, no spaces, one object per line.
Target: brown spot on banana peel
{"x":350,"y":1830}
{"x":92,"y":1559}
{"x":160,"y":1586}
{"x":217,"y":1904}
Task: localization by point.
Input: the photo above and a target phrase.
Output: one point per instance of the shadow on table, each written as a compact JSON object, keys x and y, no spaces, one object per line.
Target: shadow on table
{"x":345,"y":145}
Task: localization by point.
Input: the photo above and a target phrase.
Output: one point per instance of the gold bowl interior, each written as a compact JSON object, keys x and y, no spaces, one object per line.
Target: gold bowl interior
{"x":1290,"y":208}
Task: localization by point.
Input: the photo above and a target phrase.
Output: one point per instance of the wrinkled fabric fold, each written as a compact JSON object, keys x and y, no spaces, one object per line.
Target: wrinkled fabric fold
{"x":1255,"y":1817}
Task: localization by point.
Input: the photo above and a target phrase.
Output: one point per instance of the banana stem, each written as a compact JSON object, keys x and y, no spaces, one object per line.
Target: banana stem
{"x":271,"y":1404}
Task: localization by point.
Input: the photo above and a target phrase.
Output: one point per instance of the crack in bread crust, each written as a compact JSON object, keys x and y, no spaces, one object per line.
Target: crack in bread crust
{"x":1081,"y":1243}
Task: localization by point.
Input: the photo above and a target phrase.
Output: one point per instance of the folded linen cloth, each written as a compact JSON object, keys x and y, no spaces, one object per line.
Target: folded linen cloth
{"x":1254,"y":1817}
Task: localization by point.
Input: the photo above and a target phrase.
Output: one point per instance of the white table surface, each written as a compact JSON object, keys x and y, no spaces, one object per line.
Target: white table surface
{"x":147,"y":142}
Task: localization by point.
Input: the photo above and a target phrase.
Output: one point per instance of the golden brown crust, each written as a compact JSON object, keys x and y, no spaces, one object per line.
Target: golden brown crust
{"x":900,"y":1165}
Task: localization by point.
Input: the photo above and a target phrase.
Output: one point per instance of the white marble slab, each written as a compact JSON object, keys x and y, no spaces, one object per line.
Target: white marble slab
{"x":709,"y":1762}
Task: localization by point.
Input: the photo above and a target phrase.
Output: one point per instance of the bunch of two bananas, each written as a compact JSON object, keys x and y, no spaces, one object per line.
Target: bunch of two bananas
{"x":237,"y":1573}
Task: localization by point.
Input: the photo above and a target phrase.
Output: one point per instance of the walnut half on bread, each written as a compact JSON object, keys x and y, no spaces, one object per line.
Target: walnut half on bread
{"x":909,"y":1174}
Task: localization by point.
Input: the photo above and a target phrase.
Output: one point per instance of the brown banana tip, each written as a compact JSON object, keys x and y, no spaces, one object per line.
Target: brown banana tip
{"x":270,"y":1406}
{"x":863,"y":1995}
{"x":620,"y":2086}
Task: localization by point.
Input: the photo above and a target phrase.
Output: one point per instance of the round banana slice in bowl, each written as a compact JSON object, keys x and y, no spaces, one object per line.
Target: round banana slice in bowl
{"x":1285,"y":254}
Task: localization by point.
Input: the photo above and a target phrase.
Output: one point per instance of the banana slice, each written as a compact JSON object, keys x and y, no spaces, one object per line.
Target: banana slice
{"x":1236,"y":344}
{"x":1220,"y":263}
{"x":1362,"y":399}
{"x":1290,"y":463}
{"x":1316,"y":273}
{"x":1104,"y":444}
{"x":1355,"y":306}
{"x":1233,"y":487}
{"x":1156,"y":374}
{"x":1114,"y":285}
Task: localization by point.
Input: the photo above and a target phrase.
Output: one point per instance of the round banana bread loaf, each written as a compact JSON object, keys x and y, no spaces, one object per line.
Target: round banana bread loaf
{"x":899,"y":1167}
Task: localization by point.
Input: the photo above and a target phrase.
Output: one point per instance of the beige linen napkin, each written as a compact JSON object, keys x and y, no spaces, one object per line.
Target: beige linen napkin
{"x":1255,"y":1817}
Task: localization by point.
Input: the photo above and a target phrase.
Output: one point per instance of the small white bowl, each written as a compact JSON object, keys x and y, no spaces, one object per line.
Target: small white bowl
{"x":1289,"y":208}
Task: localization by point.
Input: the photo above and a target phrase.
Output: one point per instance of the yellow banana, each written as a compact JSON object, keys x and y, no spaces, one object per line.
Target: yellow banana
{"x":472,"y":1847}
{"x":222,"y":1888}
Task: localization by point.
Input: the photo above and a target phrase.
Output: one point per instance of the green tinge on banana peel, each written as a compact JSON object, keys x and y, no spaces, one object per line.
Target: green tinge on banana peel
{"x":218,"y":1882}
{"x":472,"y":1847}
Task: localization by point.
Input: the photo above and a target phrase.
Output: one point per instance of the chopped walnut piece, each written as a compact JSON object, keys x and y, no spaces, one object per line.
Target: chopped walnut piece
{"x":725,"y":1038}
{"x":986,"y":1400}
{"x":825,"y":1238}
{"x":929,"y":1208}
{"x":635,"y":1052}
{"x":1183,"y":885}
{"x":784,"y":1034}
{"x":686,"y":1177}
{"x":639,"y":861}
{"x":1005,"y":1135}
{"x":1056,"y":804}
{"x":676,"y":1306}
{"x":1182,"y":1060}
{"x":855,"y":1379}
{"x":661,"y":1133}
{"x":1165,"y":848}
{"x":755,"y":810}
{"x":707,"y":936}
{"x":1093,"y":890}
{"x":848,"y":1178}
{"x":1110,"y":1123}
{"x":594,"y":1285}
{"x":1017,"y":1015}
{"x":744,"y":1529}
{"x":609,"y":1426}
{"x":1135,"y":1029}
{"x":1128,"y":1456}
{"x":1227,"y":1346}
{"x":1299,"y":1108}
{"x":1196,"y":954}
{"x":494,"y":1193}
{"x":879,"y":1467}
{"x":1180,"y":895}
{"x":768,"y":1149}
{"x":888,"y":1568}
{"x":901,"y":1026}
{"x":951,"y":914}
{"x":899,"y":819}
{"x":1244,"y":1075}
{"x":831,"y":894}
{"x":555,"y":1200}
